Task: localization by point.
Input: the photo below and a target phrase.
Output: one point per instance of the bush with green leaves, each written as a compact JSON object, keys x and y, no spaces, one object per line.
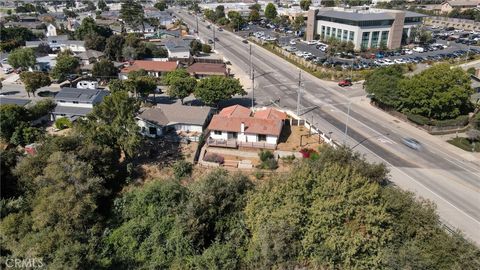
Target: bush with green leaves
{"x":63,"y":123}
{"x":182,"y":169}
{"x":213,"y":157}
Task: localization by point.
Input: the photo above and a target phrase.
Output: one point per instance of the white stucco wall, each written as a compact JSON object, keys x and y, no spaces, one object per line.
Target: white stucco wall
{"x":185,"y":127}
{"x":146,"y":125}
{"x":272,"y":139}
{"x":222,"y":136}
{"x":179,"y":54}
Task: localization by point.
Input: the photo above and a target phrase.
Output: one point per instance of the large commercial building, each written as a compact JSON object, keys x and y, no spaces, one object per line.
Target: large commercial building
{"x":364,"y":27}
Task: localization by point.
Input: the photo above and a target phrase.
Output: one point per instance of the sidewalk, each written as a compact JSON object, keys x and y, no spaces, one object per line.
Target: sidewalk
{"x":437,"y":140}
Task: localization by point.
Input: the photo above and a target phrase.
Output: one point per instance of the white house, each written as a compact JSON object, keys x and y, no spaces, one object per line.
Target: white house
{"x":59,"y":43}
{"x":51,"y":30}
{"x":153,"y":68}
{"x":235,"y":126}
{"x":76,"y":102}
{"x":178,"y":48}
{"x":165,"y":118}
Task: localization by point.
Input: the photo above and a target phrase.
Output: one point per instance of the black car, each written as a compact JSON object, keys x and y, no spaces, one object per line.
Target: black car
{"x":245,"y":41}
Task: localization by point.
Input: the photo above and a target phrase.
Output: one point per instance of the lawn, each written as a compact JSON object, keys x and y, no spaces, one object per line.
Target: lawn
{"x":465,"y":144}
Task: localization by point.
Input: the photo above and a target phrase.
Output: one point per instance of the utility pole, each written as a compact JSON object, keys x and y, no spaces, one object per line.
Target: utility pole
{"x":253,"y":88}
{"x":213,"y":28}
{"x":299,"y":91}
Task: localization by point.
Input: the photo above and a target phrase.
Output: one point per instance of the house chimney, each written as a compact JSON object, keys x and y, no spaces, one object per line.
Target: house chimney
{"x":242,"y":127}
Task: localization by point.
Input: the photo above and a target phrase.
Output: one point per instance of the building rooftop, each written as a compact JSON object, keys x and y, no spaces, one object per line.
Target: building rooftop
{"x":156,"y":66}
{"x":356,"y":14}
{"x":15,"y":101}
{"x":86,"y":55}
{"x":80,"y":95}
{"x":207,"y":69}
{"x":230,"y":119}
{"x":464,"y":3}
{"x":71,"y":111}
{"x":169,"y":114}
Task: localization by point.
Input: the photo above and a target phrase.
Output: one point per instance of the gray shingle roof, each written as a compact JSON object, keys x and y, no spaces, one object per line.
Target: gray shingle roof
{"x":71,"y":111}
{"x":164,"y":114}
{"x":81,"y":95}
{"x":16,"y":101}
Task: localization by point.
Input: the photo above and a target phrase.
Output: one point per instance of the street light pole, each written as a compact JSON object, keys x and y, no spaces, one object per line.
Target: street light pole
{"x":213,"y":29}
{"x":299,"y":91}
{"x":346,"y":123}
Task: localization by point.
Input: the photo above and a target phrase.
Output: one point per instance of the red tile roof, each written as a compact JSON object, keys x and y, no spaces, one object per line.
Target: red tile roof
{"x":207,"y":69}
{"x":235,"y":110}
{"x":252,"y":125}
{"x":156,"y":66}
{"x":230,"y":119}
{"x":270,"y":113}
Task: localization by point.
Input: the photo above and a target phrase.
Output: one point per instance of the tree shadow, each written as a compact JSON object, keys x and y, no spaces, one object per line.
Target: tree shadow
{"x":10,"y":93}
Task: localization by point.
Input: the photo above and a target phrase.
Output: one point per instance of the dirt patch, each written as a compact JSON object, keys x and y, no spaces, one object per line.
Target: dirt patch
{"x":294,"y":138}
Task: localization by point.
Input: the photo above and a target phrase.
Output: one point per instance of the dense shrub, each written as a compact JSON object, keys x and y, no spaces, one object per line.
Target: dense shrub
{"x":212,"y":157}
{"x":461,"y":120}
{"x":63,"y":123}
{"x":182,"y":169}
{"x":265,"y":155}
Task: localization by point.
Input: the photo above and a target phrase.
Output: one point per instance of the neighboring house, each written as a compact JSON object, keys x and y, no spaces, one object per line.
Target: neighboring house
{"x":72,"y":24}
{"x":153,"y":68}
{"x":89,"y":57}
{"x":76,"y":102}
{"x":235,"y":127}
{"x":448,"y":6}
{"x":165,"y":118}
{"x":51,"y":30}
{"x":59,"y":43}
{"x":146,"y":29}
{"x":14,"y":101}
{"x":46,"y":63}
{"x":200,"y":70}
{"x":178,"y":48}
{"x":161,"y":34}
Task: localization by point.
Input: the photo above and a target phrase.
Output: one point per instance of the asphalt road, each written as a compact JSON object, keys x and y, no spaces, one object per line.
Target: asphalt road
{"x":436,"y":172}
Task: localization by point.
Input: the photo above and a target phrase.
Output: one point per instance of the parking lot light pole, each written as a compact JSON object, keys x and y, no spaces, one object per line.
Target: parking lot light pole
{"x":346,"y":123}
{"x":213,"y":29}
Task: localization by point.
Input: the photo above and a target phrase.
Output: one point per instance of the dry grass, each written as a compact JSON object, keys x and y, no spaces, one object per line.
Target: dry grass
{"x":291,"y":136}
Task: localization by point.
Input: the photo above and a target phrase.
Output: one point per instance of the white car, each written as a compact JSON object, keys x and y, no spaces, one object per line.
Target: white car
{"x":311,"y":42}
{"x":408,"y":52}
{"x":399,"y":61}
{"x":388,"y":62}
{"x":293,"y":42}
{"x":299,"y":53}
{"x":7,"y":70}
{"x":418,"y":49}
{"x":379,"y":62}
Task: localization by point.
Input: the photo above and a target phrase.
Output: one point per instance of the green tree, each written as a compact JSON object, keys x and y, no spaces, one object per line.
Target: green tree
{"x":305,"y":4}
{"x":161,"y":5}
{"x":112,"y":123}
{"x":94,"y":41}
{"x":22,"y":58}
{"x":195,"y":47}
{"x":132,"y":13}
{"x":88,"y":26}
{"x":254,"y":15}
{"x":34,"y":80}
{"x":219,"y":12}
{"x":105,"y":70}
{"x":65,"y":66}
{"x":256,"y":7}
{"x":114,"y":47}
{"x":383,"y":84}
{"x":10,"y":117}
{"x":270,"y":11}
{"x":298,"y":23}
{"x":143,"y":235}
{"x":212,"y":90}
{"x":102,"y":5}
{"x":180,"y":84}
{"x":206,"y":48}
{"x":182,"y":169}
{"x":440,"y":92}
{"x":25,"y":134}
{"x":129,"y":53}
{"x":236,"y":19}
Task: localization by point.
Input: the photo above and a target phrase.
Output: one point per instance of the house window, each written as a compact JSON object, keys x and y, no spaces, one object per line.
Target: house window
{"x":75,"y":102}
{"x":262,"y":138}
{"x":375,"y":36}
{"x":152,"y":130}
{"x":232,"y":135}
{"x":345,"y":35}
{"x":365,"y":39}
{"x":217,"y":132}
{"x":352,"y":36}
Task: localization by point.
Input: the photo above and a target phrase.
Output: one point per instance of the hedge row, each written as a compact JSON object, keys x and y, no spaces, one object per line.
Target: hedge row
{"x":460,"y":121}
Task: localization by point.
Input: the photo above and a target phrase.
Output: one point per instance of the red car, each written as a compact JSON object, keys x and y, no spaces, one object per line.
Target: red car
{"x":345,"y":83}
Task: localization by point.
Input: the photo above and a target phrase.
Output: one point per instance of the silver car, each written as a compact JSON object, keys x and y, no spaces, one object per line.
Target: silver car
{"x":412,"y":143}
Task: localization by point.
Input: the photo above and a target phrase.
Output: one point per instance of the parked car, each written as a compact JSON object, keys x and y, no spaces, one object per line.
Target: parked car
{"x":346,"y":82}
{"x":412,"y":143}
{"x":7,"y":70}
{"x":245,"y":41}
{"x":419,"y":49}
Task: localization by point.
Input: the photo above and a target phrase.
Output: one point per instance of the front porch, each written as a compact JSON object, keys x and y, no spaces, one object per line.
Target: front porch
{"x":232,"y":143}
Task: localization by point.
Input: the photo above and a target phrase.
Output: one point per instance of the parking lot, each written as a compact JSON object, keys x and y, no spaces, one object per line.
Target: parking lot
{"x":446,"y":45}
